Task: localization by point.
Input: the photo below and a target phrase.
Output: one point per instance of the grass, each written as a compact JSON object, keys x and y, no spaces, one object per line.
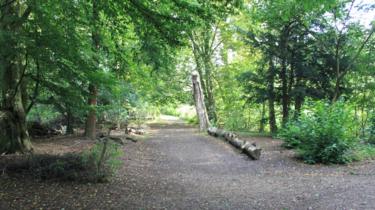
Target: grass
{"x":253,"y":134}
{"x":190,"y":120}
{"x":364,"y":152}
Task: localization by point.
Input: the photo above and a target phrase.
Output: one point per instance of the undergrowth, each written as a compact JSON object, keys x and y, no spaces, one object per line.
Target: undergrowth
{"x":83,"y":167}
{"x":324,"y":134}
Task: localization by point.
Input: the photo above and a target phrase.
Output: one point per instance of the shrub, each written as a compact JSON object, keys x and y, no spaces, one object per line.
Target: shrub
{"x":371,"y":138}
{"x":364,"y":151}
{"x":291,"y":135}
{"x":323,"y":134}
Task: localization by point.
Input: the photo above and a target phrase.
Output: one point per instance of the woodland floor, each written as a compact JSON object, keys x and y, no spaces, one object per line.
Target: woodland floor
{"x":179,"y":168}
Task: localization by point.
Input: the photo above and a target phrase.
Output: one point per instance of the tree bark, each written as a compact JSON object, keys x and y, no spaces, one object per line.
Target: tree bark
{"x":299,"y":90}
{"x":203,"y":48}
{"x":262,"y":118}
{"x":336,"y":93}
{"x":199,"y":67}
{"x":199,"y":103}
{"x":13,"y":130}
{"x":271,"y":97}
{"x":284,"y":74}
{"x":90,"y":130}
{"x":284,"y":89}
{"x":69,"y":122}
{"x":211,"y":105}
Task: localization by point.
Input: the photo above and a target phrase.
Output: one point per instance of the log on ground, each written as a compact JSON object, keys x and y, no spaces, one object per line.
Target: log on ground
{"x":250,"y":149}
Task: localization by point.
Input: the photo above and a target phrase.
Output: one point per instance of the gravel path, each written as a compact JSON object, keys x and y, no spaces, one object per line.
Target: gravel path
{"x":179,"y":168}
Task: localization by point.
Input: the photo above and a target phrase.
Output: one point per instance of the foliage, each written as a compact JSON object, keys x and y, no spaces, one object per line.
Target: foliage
{"x":188,"y":114}
{"x":364,"y":152}
{"x":371,"y":137}
{"x":169,"y":109}
{"x":258,"y":61}
{"x":192,"y":120}
{"x":292,"y":134}
{"x":324,"y":133}
{"x":185,"y":112}
{"x":43,"y":113}
{"x":66,"y":54}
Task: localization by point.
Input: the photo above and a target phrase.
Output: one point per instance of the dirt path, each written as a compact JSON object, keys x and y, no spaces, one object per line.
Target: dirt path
{"x":178,"y":168}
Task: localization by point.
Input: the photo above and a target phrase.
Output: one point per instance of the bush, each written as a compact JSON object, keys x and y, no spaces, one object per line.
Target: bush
{"x":364,"y":151}
{"x":291,"y":135}
{"x":70,"y":167}
{"x":324,"y":134}
{"x":371,"y":138}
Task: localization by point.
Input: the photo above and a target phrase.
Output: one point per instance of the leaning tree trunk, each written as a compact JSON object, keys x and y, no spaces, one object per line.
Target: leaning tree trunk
{"x":210,"y":102}
{"x":13,"y":130}
{"x":199,"y":103}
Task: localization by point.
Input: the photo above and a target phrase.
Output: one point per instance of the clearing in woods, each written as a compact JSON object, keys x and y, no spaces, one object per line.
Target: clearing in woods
{"x":179,"y":168}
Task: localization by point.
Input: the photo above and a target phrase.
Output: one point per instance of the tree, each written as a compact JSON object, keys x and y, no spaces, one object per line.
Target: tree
{"x":204,"y":44}
{"x":14,"y":136}
{"x":46,"y":52}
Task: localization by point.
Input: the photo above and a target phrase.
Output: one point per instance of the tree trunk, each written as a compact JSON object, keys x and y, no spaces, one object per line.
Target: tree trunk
{"x":199,"y":103}
{"x":69,"y":122}
{"x":284,"y":75}
{"x":90,"y":130}
{"x":262,"y":118}
{"x":284,"y":89}
{"x":299,"y":92}
{"x":13,"y":130}
{"x":271,"y":98}
{"x":203,"y":48}
{"x":211,"y":105}
{"x":297,"y":106}
{"x":291,"y":84}
{"x":199,"y":68}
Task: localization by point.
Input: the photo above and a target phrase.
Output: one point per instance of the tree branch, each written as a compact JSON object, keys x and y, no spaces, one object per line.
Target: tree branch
{"x":36,"y":89}
{"x":345,"y":70}
{"x":21,"y":77}
{"x":23,"y":18}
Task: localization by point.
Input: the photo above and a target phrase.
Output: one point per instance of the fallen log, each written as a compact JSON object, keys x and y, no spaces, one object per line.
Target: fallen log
{"x":137,"y":131}
{"x":101,"y":137}
{"x":37,"y":129}
{"x":237,"y":142}
{"x":130,"y":138}
{"x":250,"y":149}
